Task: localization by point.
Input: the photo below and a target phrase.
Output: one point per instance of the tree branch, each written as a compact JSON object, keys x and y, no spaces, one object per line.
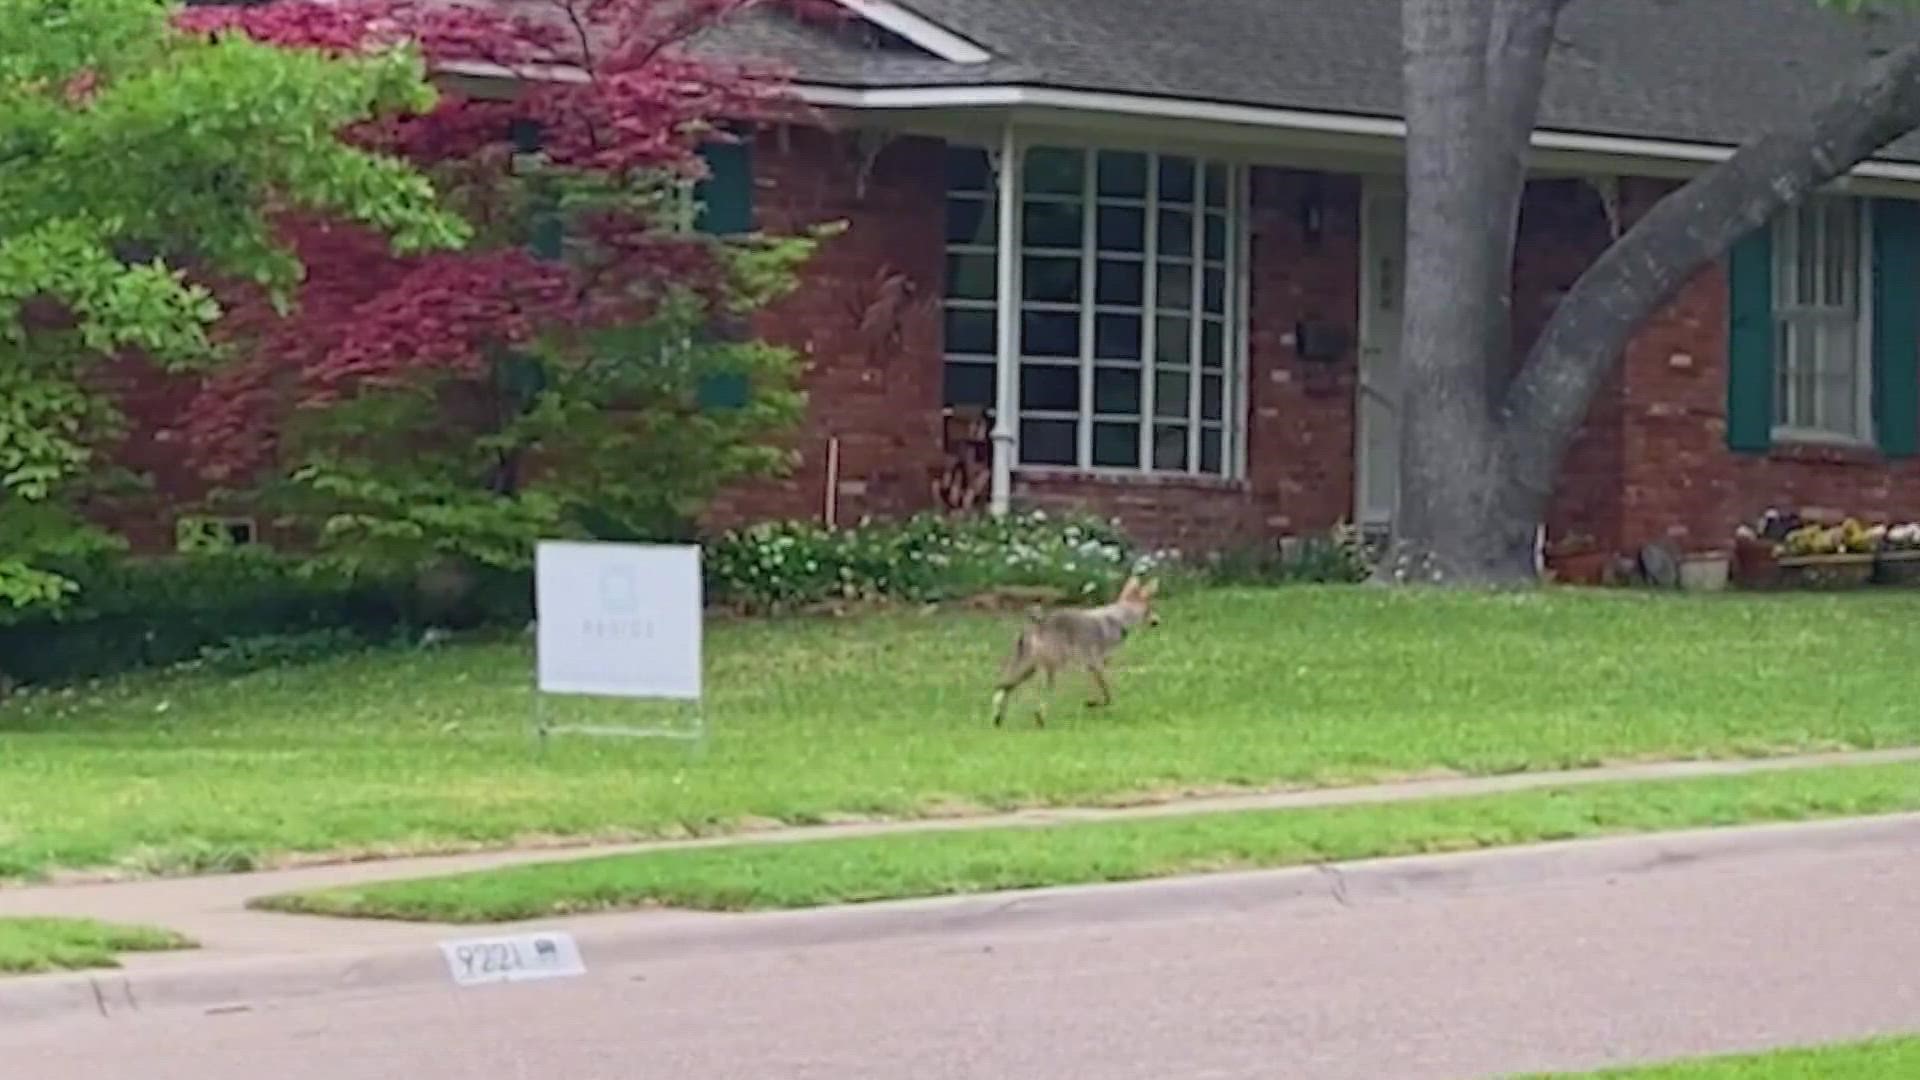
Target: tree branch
{"x":1519,"y":45}
{"x":1679,"y":236}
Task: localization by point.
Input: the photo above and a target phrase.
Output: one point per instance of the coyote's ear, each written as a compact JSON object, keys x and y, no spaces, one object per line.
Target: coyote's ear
{"x":1130,"y":589}
{"x":1150,"y":589}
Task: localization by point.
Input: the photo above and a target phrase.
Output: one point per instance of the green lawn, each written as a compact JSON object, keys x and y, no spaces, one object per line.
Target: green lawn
{"x":32,"y":946}
{"x":813,"y":873}
{"x":1881,"y":1059}
{"x":887,"y":715}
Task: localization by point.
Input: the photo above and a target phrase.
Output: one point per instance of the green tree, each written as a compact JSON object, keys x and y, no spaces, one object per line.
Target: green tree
{"x":131,"y":153}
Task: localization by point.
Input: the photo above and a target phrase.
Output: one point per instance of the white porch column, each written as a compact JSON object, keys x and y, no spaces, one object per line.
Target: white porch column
{"x":1006,"y":355}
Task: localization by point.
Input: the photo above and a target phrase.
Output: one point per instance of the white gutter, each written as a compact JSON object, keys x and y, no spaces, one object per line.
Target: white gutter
{"x":1151,"y":107}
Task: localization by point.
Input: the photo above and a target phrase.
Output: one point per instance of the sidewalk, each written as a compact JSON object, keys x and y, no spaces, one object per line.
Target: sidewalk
{"x":212,"y":909}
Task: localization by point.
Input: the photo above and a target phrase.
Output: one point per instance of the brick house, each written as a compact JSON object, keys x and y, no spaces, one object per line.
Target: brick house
{"x":1190,"y":323}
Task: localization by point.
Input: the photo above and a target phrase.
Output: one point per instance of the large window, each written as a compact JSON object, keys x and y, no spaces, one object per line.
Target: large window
{"x":1822,"y":356}
{"x":1128,"y":335}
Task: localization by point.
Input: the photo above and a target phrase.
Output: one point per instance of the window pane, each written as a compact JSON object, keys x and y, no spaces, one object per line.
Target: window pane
{"x":1049,"y":333}
{"x":1171,"y":343}
{"x":970,"y":277}
{"x":1213,"y":345}
{"x":1049,"y":388}
{"x":1176,"y":233}
{"x":1175,"y":287}
{"x":1049,"y":442}
{"x":1123,"y":228}
{"x":1051,"y":279}
{"x":1216,"y":238}
{"x":1116,"y":446}
{"x":1214,"y":299}
{"x":1843,"y":258}
{"x":1170,"y":446}
{"x":1217,"y":184}
{"x":1055,"y":225}
{"x":1783,"y":412}
{"x":967,"y":169}
{"x":1117,"y":337}
{"x":1123,"y":176}
{"x":1171,"y":392}
{"x":1116,"y":390}
{"x":1212,"y":397}
{"x":970,"y":332}
{"x":1210,"y":451}
{"x":1120,"y":282}
{"x":1055,"y":171}
{"x":970,"y":221}
{"x":1176,"y":180}
{"x":968,"y":384}
{"x":1838,"y":388}
{"x":1805,"y":273}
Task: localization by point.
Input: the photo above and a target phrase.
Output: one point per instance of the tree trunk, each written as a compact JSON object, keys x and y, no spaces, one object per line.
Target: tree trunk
{"x":1481,"y":455}
{"x":1473,"y":79}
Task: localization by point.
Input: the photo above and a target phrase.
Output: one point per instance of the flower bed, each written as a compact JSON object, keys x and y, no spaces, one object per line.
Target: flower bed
{"x":1783,"y":551}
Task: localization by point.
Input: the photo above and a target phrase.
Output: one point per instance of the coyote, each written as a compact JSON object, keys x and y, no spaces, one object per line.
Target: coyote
{"x":1082,"y":637}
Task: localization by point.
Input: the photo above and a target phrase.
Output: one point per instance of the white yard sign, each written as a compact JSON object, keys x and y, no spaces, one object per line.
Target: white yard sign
{"x":618,"y":620}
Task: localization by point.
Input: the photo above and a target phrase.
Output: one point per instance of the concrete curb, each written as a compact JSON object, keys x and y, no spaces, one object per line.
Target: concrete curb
{"x":615,"y":942}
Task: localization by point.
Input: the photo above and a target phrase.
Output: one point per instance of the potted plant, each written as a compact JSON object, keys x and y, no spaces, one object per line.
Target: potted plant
{"x":1900,"y":555}
{"x":1828,"y":556}
{"x":1578,"y":560}
{"x":1705,"y":571}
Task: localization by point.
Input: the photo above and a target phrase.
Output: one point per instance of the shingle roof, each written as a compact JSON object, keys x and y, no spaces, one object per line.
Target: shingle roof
{"x":1715,"y":71}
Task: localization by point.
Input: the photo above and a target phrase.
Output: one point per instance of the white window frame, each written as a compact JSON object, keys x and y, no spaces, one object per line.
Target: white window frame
{"x":1797,"y":396}
{"x":1230,"y":424}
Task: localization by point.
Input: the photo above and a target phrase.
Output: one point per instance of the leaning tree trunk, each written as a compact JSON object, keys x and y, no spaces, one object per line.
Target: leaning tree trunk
{"x":1481,"y":454}
{"x":1474,"y":72}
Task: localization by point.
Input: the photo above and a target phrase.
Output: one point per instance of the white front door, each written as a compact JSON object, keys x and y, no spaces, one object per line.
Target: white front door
{"x":1383,"y":249}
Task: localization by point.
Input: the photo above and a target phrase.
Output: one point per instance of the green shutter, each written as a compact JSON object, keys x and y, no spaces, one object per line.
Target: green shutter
{"x":726,"y":196}
{"x":1750,"y":344}
{"x":724,"y":391}
{"x":549,"y":233}
{"x":1896,"y":326}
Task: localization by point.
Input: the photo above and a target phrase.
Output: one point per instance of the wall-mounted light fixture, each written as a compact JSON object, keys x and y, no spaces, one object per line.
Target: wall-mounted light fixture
{"x":1312,"y":211}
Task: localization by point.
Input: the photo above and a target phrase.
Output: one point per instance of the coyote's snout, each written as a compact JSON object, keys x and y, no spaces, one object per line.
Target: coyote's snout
{"x":1082,"y":637}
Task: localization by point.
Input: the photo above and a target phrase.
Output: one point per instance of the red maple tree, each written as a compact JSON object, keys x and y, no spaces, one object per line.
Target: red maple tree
{"x":614,"y":92}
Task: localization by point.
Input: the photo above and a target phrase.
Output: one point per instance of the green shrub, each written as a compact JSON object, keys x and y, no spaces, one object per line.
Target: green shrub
{"x":1340,"y":556}
{"x":241,"y":655}
{"x":925,"y":558}
{"x":142,"y":613}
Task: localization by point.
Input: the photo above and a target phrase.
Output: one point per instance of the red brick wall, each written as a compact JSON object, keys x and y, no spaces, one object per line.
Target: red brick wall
{"x":1563,"y":228}
{"x":1681,"y":483}
{"x":154,"y":403}
{"x":878,"y":393}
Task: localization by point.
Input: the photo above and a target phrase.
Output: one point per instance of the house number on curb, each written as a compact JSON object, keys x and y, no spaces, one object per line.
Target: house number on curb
{"x":520,"y":958}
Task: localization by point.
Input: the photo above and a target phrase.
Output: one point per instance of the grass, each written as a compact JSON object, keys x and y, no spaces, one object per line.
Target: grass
{"x":813,"y":873}
{"x":34,"y":946}
{"x":1879,"y":1059}
{"x":887,"y":716}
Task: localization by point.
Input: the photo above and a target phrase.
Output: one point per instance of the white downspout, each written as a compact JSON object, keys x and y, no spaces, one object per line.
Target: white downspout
{"x":1006,"y":366}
